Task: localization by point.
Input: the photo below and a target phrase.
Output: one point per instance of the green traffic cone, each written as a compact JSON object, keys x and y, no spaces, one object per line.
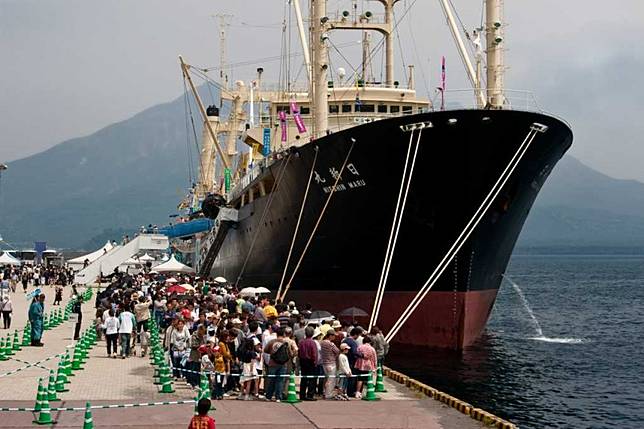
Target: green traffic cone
{"x":51,"y":387}
{"x":39,"y":396}
{"x":61,"y":378}
{"x":204,"y":387}
{"x":380,"y":382}
{"x":67,"y":365}
{"x":88,"y":422}
{"x":8,"y":349}
{"x":291,"y":397}
{"x":3,"y":356}
{"x":17,"y":345}
{"x":166,"y":381}
{"x":371,"y":391}
{"x":77,"y":363}
{"x":25,"y":336}
{"x":45,"y":324}
{"x":44,"y":416}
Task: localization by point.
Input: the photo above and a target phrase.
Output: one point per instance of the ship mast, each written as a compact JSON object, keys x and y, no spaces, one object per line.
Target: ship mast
{"x":207,"y":153}
{"x":319,"y":68}
{"x":494,"y":48}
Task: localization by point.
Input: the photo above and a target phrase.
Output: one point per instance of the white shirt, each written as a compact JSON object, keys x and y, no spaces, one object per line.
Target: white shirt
{"x":111,"y":325}
{"x":126,"y":321}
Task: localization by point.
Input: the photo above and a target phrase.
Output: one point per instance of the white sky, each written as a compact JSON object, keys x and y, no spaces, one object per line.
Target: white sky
{"x":71,"y":67}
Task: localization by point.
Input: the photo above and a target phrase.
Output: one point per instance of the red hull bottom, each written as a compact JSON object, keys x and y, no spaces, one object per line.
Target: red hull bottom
{"x":451,"y":320}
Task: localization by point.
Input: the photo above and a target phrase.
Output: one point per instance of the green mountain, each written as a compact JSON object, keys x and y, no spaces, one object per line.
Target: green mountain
{"x":86,"y":190}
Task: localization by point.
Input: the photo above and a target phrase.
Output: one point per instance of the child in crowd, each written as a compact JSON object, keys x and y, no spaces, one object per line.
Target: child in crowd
{"x":219,"y":376}
{"x":202,"y":420}
{"x":344,"y":371}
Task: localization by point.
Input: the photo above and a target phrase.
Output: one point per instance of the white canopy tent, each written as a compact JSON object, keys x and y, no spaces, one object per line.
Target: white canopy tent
{"x":146,"y":258}
{"x":173,"y":266}
{"x":7,"y":259}
{"x":91,"y":257}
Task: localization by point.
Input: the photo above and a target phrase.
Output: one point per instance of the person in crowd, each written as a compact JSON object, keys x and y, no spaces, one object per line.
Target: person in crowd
{"x":36,"y":319}
{"x":58,"y":297}
{"x":366,"y":363}
{"x":127,"y":322}
{"x":77,"y":309}
{"x":202,"y":420}
{"x":344,"y":371}
{"x":308,"y":356}
{"x":142,"y":315}
{"x":197,"y":339}
{"x":179,"y":340}
{"x":380,"y":344}
{"x":279,"y":352}
{"x":111,"y":329}
{"x":6,"y":306}
{"x":352,"y":355}
{"x":329,"y":352}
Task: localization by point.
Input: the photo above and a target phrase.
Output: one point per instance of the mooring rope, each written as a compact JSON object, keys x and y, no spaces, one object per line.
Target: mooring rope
{"x":395,"y":227}
{"x":299,"y":219}
{"x":465,"y":233}
{"x":326,"y":204}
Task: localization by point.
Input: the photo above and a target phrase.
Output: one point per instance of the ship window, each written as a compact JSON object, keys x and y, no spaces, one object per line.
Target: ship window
{"x":283,"y":108}
{"x":305,"y":111}
{"x":394,"y":109}
{"x":346,"y":108}
{"x":407,"y":109}
{"x":368,"y":108}
{"x":334,"y":108}
{"x":382,"y":108}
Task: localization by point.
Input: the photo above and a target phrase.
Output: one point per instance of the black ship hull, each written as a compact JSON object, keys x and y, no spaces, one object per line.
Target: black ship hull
{"x":459,"y":159}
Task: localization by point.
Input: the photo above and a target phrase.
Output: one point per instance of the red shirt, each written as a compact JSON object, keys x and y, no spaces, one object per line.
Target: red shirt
{"x":202,"y":422}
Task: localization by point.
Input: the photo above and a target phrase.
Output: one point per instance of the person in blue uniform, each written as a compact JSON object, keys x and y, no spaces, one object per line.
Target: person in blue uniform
{"x":36,"y":316}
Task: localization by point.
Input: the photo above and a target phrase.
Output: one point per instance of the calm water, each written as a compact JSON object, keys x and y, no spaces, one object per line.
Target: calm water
{"x":585,"y":370}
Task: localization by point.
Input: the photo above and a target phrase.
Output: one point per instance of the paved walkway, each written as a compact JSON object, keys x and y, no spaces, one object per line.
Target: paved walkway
{"x":116,"y":381}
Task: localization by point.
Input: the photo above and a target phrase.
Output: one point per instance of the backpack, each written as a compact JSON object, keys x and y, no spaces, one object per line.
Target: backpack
{"x":245,"y":352}
{"x":281,"y":356}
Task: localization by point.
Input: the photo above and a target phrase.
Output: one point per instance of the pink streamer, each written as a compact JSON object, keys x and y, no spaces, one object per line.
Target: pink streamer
{"x":282,"y":118}
{"x":297,"y":118}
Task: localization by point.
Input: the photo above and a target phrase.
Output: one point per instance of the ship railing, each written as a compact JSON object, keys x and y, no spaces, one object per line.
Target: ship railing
{"x":350,"y":83}
{"x":458,"y":99}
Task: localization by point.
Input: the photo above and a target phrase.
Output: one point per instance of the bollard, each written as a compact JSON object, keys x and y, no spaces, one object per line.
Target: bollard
{"x":88,"y":423}
{"x":291,"y":397}
{"x":51,"y":387}
{"x":380,"y":382}
{"x":39,"y":396}
{"x":371,"y":391}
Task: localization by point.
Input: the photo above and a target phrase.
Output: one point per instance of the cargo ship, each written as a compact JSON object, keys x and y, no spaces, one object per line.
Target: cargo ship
{"x":358,"y":193}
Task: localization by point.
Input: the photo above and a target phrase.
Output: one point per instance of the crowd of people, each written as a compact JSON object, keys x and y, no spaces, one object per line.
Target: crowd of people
{"x":12,"y":277}
{"x":248,"y":345}
{"x":35,"y":275}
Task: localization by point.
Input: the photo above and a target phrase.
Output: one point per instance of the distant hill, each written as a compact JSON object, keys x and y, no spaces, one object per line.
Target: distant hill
{"x":581,"y":207}
{"x":83,"y":191}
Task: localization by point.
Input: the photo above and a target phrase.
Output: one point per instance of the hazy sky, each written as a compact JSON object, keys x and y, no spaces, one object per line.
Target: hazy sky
{"x":70,"y":67}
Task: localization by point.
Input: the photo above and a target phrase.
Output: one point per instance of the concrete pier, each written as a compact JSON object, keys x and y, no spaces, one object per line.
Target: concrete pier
{"x":106,"y":381}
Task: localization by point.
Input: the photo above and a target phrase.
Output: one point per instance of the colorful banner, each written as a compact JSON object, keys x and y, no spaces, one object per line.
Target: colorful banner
{"x":282,"y":117}
{"x":266,"y":142}
{"x":295,"y":111}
